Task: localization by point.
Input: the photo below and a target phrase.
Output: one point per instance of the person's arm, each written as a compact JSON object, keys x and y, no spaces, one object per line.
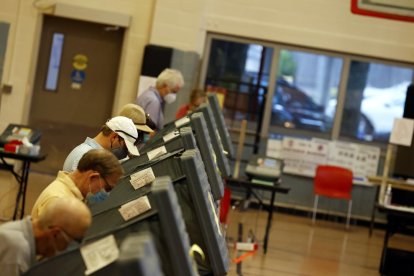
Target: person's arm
{"x":153,"y":108}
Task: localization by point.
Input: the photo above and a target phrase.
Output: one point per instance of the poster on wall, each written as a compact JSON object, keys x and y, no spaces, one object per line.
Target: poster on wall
{"x":366,"y":161}
{"x":301,"y":156}
{"x":274,"y":148}
{"x":402,"y":132}
{"x":78,"y":74}
{"x":342,"y":154}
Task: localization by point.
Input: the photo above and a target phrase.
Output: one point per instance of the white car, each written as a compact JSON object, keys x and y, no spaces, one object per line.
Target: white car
{"x":379,"y":108}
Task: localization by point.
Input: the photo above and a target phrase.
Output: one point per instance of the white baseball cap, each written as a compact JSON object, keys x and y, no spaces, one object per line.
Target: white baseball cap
{"x":125,"y":128}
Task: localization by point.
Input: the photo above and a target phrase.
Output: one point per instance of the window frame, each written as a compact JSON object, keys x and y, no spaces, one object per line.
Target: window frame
{"x":347,"y":58}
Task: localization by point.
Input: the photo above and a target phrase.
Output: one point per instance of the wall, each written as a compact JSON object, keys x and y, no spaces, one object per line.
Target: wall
{"x":182,"y":24}
{"x":325,"y":24}
{"x":22,"y":48}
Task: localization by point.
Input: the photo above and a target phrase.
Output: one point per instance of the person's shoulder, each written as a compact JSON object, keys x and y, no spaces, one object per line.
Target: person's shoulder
{"x":81,"y":149}
{"x":11,"y":232}
{"x":148,"y":95}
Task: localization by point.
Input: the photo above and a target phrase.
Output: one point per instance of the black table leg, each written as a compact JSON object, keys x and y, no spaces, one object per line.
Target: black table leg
{"x":239,"y":239}
{"x":269,"y":222}
{"x":25,"y":177}
{"x":21,"y":193}
{"x":374,"y":208}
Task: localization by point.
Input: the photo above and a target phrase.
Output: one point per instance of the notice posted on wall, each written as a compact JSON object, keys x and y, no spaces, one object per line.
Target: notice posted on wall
{"x":402,"y":132}
{"x":302,"y":156}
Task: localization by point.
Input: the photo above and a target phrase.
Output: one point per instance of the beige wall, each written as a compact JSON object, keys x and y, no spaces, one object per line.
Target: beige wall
{"x":325,"y":24}
{"x":182,"y":24}
{"x":23,"y":41}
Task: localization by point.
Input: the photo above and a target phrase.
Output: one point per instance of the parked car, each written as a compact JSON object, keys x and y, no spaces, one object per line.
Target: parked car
{"x":293,"y":108}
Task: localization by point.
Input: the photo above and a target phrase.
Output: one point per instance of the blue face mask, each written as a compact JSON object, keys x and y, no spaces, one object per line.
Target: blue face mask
{"x":98,"y":197}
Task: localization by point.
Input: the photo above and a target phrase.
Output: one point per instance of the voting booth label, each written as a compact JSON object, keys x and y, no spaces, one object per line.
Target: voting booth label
{"x":99,"y":254}
{"x":156,"y":152}
{"x":182,"y":121}
{"x":135,"y":208}
{"x":170,"y":136}
{"x":142,"y":178}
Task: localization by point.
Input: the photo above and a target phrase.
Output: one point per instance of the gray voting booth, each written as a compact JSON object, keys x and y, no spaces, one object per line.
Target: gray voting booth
{"x":194,"y":197}
{"x":215,"y":140}
{"x":192,"y":219}
{"x":221,"y":125}
{"x":165,"y":251}
{"x":194,"y":130}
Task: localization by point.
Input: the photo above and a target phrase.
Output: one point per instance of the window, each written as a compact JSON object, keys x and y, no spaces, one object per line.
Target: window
{"x":305,"y":83}
{"x":54,"y":62}
{"x":375,"y":96}
{"x":243,"y":70}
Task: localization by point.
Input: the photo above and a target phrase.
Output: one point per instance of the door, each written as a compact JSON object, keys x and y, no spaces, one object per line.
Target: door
{"x":74,"y":85}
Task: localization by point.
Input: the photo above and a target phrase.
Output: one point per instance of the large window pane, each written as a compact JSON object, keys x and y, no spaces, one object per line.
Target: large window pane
{"x":304,"y":86}
{"x":243,"y":70}
{"x":375,"y":96}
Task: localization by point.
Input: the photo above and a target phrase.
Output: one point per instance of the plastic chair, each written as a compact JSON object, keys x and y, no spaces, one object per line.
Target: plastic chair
{"x":225,"y":206}
{"x":333,"y":182}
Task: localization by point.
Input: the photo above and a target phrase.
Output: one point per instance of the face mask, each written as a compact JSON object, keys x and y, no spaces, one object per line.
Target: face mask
{"x":98,"y":197}
{"x":120,"y":152}
{"x":170,"y":98}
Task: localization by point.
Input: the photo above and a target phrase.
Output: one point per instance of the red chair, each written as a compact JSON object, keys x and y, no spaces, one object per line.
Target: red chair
{"x":333,"y":182}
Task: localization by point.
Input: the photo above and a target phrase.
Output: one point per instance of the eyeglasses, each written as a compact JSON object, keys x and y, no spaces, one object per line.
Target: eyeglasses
{"x":107,"y":187}
{"x":68,"y":238}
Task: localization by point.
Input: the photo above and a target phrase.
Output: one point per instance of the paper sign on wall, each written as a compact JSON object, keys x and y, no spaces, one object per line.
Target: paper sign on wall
{"x":402,"y":132}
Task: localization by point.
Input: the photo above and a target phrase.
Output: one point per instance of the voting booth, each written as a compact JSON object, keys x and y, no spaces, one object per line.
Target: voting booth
{"x":99,"y":254}
{"x":191,"y":134}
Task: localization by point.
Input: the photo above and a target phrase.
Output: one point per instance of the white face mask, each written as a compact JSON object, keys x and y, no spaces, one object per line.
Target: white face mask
{"x":170,"y":98}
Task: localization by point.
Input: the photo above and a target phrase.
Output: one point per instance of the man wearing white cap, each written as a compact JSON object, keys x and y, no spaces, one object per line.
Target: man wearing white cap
{"x":118,"y":135}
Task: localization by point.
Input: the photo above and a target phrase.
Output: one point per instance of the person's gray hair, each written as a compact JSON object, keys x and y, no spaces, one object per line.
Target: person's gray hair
{"x":170,"y":77}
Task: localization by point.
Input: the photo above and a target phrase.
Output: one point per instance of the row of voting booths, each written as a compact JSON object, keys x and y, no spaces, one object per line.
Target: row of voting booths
{"x":162,"y":218}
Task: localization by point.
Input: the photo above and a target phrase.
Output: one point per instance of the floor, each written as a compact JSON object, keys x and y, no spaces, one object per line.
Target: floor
{"x":295,"y":246}
{"x":298,"y":248}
